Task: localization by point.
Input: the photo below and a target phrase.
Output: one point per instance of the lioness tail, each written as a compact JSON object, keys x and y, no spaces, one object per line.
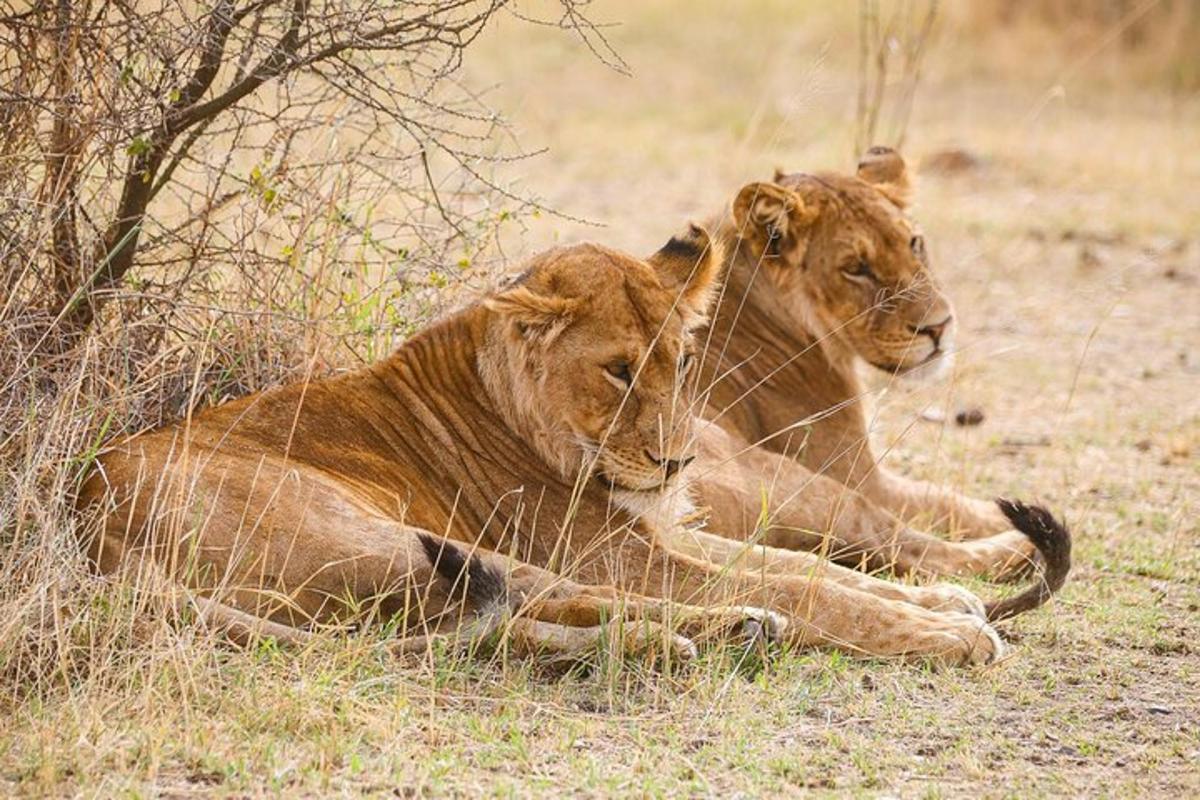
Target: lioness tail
{"x":1053,"y":542}
{"x":482,"y":585}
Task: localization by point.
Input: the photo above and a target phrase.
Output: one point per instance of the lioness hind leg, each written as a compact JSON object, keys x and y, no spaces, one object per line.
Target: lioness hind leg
{"x":945,"y":509}
{"x":526,"y":637}
{"x":549,"y":597}
{"x":242,"y":628}
{"x":245,"y":629}
{"x":531,"y":637}
{"x":449,"y":591}
{"x":760,"y":495}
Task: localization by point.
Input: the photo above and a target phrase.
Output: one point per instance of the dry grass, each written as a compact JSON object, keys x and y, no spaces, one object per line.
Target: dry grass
{"x":1072,"y":251}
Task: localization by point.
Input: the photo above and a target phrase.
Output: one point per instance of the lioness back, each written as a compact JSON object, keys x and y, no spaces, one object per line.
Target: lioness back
{"x":513,"y":425}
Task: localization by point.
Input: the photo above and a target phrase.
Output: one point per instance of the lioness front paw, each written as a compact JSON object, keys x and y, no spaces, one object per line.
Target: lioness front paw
{"x":683,"y":649}
{"x":774,"y":625}
{"x":981,"y":644}
{"x":742,"y":624}
{"x":950,"y":598}
{"x":956,"y":640}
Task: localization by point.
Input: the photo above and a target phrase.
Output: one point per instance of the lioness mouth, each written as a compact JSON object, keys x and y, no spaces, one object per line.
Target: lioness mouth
{"x":900,"y":369}
{"x":612,"y":484}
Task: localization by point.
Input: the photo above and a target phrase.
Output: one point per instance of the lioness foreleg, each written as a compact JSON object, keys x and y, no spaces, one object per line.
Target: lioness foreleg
{"x":778,"y":562}
{"x":822,"y":612}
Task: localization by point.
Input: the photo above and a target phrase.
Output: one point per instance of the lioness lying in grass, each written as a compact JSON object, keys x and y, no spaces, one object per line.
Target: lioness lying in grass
{"x":823,"y":270}
{"x":542,"y":432}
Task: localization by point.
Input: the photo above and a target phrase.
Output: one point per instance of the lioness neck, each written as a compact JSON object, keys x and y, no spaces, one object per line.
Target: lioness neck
{"x":462,"y":359}
{"x":769,"y":371}
{"x":487,"y":477}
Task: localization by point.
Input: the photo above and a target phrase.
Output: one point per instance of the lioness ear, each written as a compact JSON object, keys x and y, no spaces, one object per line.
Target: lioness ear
{"x":775,"y":220}
{"x":536,"y":316}
{"x":883,"y":168}
{"x":690,"y":264}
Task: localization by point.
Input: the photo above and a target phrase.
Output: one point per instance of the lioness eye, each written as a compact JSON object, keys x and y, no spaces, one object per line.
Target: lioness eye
{"x":620,"y":371}
{"x":860,"y":270}
{"x":917,"y":245}
{"x":685,"y":363}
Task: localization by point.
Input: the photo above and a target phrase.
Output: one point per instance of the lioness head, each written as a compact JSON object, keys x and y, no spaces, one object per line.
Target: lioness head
{"x":849,"y":261}
{"x":595,"y":348}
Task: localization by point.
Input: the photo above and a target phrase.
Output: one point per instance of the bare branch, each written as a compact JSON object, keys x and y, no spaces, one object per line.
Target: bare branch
{"x":142,"y":142}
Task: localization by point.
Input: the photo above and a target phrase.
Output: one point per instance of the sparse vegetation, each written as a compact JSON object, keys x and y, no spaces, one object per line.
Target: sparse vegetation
{"x":1067,"y":234}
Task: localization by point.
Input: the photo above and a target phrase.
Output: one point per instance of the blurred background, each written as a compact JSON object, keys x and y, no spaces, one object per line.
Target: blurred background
{"x":1056,"y":111}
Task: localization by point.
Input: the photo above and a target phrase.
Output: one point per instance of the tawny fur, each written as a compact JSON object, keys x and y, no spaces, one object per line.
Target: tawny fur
{"x":824,"y":271}
{"x":508,"y":429}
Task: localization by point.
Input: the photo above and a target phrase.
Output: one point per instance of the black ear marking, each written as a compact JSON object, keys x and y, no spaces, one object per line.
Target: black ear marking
{"x":689,"y":263}
{"x":677,"y":247}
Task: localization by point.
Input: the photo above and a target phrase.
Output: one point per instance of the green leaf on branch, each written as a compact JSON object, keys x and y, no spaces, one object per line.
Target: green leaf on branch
{"x":138,"y":147}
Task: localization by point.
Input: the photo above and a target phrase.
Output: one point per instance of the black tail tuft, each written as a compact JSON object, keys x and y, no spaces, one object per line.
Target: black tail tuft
{"x":1053,"y":542}
{"x":483,"y":585}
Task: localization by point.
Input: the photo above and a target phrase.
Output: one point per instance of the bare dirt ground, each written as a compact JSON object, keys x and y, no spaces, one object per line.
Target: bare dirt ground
{"x":1072,"y":248}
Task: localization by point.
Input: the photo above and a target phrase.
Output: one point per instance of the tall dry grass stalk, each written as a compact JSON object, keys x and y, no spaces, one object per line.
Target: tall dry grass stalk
{"x":892,"y":45}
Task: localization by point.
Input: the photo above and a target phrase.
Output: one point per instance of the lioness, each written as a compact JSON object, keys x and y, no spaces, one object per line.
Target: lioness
{"x":824,"y":270}
{"x":547,"y":423}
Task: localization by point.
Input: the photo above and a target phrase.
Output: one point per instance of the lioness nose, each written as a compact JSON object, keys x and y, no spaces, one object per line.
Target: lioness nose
{"x":670,"y":465}
{"x":935,"y":331}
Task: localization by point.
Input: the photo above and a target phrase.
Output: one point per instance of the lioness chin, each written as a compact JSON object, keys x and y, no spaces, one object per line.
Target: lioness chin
{"x":542,"y":432}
